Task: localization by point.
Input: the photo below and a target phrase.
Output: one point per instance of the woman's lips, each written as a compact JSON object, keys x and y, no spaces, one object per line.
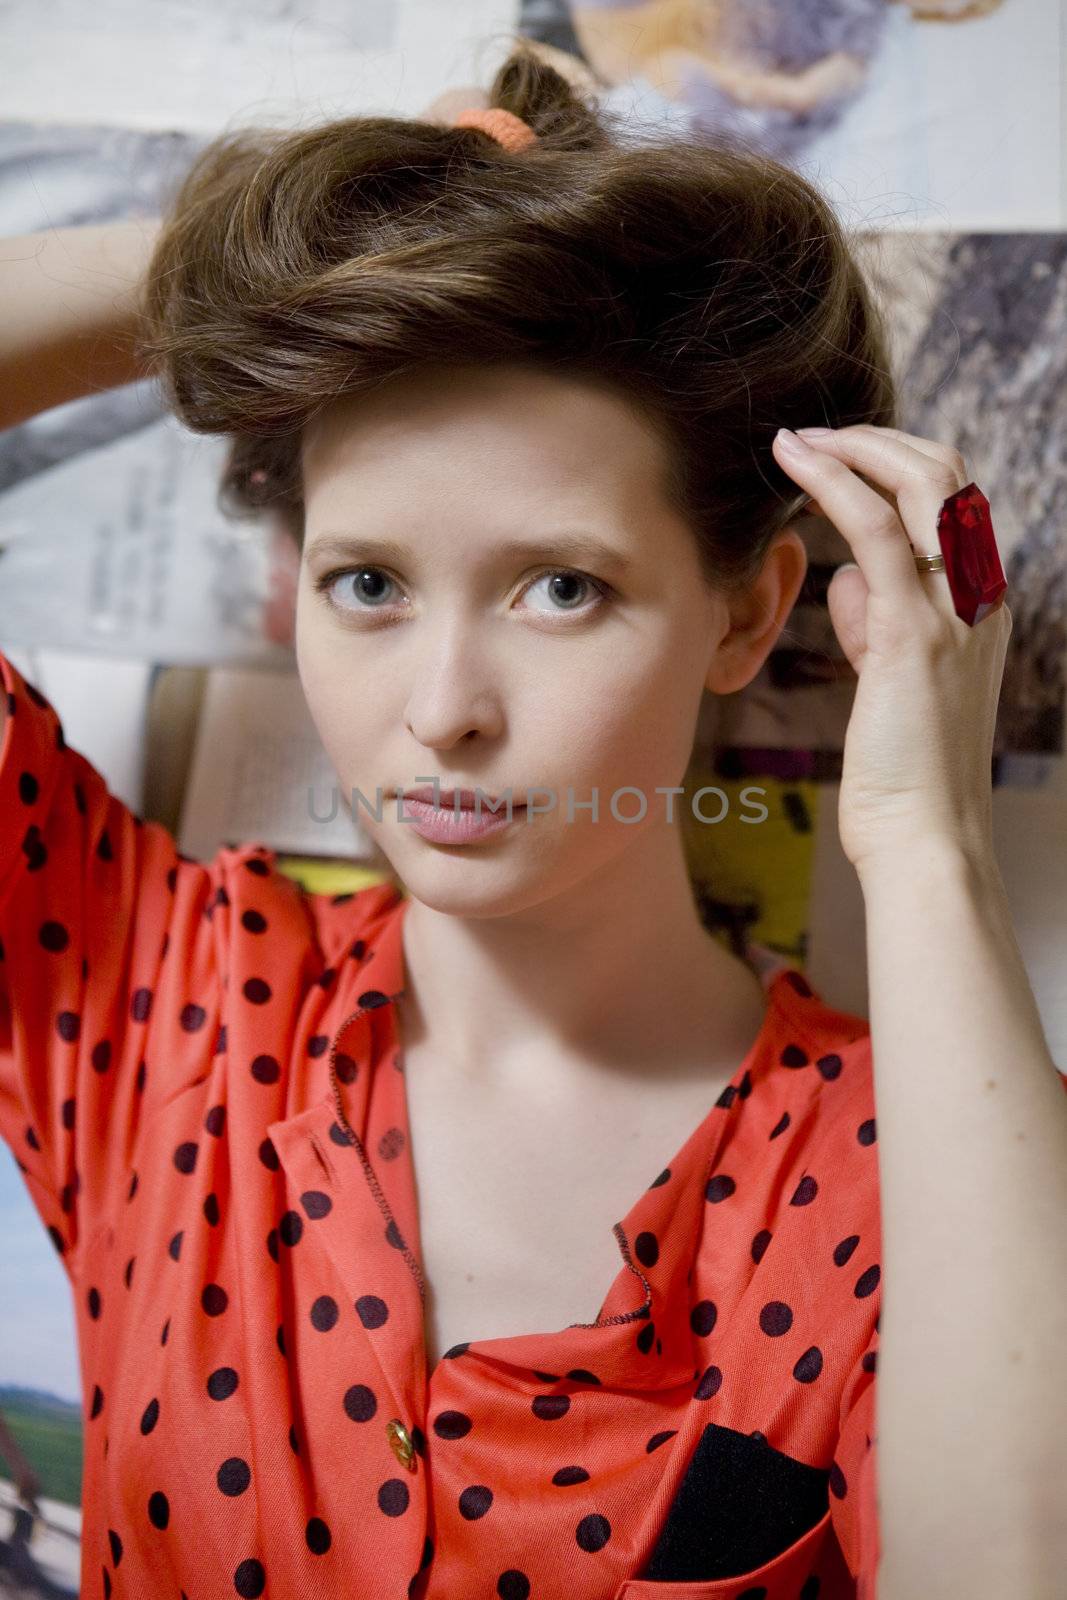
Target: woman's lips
{"x":443,"y":825}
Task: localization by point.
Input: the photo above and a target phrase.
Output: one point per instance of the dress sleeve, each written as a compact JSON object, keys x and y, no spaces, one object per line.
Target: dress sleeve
{"x":107,"y":972}
{"x":853,"y":1475}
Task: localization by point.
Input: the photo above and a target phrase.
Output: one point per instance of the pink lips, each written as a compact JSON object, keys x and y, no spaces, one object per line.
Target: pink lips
{"x":441,"y":824}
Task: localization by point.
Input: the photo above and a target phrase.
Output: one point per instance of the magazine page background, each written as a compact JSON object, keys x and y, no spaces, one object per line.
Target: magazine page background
{"x":950,"y":129}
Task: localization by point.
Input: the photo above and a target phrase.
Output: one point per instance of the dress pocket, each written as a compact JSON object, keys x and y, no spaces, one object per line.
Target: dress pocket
{"x":746,"y":1516}
{"x":781,"y":1578}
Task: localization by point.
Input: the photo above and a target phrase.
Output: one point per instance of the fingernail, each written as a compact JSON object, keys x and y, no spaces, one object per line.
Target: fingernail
{"x":815,"y":433}
{"x":790,"y":443}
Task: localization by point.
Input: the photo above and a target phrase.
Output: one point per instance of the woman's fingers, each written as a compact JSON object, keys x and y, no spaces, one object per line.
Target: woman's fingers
{"x":918,"y":480}
{"x":927,"y":447}
{"x":865,"y":518}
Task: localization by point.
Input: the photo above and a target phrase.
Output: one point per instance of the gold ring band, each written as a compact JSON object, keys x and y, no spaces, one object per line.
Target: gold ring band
{"x":929,"y":563}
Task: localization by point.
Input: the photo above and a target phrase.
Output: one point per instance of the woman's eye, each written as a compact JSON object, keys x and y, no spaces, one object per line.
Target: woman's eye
{"x":366,"y":589}
{"x":561,"y":588}
{"x":364,"y":583}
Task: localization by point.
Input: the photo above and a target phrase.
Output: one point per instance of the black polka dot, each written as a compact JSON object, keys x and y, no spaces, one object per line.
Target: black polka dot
{"x":646,"y":1249}
{"x":150,"y":1416}
{"x":452,"y":1424}
{"x":158,"y":1509}
{"x":265,"y":1069}
{"x":829,"y":1066}
{"x":234,"y":1476}
{"x":868,"y":1282}
{"x":97,"y":1402}
{"x":103,"y":847}
{"x":93,"y":1301}
{"x":866,"y":1132}
{"x":843,"y":1251}
{"x":550,"y":1407}
{"x":222,"y":1383}
{"x":593,"y":1532}
{"x":291,"y":1228}
{"x":805,"y":1192}
{"x":316,"y":1204}
{"x":268,"y":1155}
{"x":393,"y":1497}
{"x":513,"y":1585}
{"x":29,"y":788}
{"x":318,"y":1045}
{"x":776,"y":1318}
{"x":719,"y":1188}
{"x":703,"y":1317}
{"x":68,"y":1026}
{"x":709,"y":1385}
{"x":254,"y":921}
{"x":257,"y":990}
{"x":759,"y":1244}
{"x":838,"y":1482}
{"x":116,"y":1545}
{"x":257,"y":865}
{"x":360,"y":1403}
{"x":215,"y":1121}
{"x":185,"y":1156}
{"x":372,"y":1310}
{"x":192,"y":1018}
{"x":318,"y":1536}
{"x":780,"y":1126}
{"x":250,"y":1579}
{"x":475,"y":1501}
{"x":324,"y":1313}
{"x":34,"y":849}
{"x":214,"y":1299}
{"x":53,"y":937}
{"x":345,"y":1068}
{"x":809,"y":1366}
{"x":794,"y":1056}
{"x":141,"y":1005}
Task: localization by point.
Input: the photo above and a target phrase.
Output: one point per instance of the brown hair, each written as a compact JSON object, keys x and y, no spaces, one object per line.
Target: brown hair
{"x":711,"y":286}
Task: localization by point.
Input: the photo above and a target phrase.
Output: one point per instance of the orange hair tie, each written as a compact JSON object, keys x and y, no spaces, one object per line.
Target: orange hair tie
{"x":503,"y":126}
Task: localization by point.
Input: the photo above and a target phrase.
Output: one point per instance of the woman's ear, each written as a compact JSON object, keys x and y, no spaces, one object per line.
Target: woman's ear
{"x":758,"y":614}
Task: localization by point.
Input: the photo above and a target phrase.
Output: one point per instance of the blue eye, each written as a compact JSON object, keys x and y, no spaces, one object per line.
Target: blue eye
{"x":366,"y":585}
{"x":566,"y":578}
{"x":359,"y":575}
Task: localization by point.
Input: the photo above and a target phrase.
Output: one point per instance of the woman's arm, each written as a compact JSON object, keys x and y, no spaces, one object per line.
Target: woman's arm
{"x":70,"y":312}
{"x":972,"y":1151}
{"x":971,"y":1421}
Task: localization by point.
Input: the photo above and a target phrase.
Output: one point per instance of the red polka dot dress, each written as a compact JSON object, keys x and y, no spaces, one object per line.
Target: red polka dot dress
{"x":201,"y":1081}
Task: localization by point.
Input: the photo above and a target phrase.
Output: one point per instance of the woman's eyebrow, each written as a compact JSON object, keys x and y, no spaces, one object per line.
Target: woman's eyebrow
{"x":564,"y":548}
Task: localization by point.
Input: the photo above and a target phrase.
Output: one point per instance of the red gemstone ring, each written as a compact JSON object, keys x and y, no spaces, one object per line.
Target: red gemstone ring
{"x":969,"y":555}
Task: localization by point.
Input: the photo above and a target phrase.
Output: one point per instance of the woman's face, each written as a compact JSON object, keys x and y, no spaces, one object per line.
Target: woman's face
{"x":479,"y":651}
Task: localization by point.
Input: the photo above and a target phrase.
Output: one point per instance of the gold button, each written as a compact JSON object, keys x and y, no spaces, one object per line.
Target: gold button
{"x":400,"y":1439}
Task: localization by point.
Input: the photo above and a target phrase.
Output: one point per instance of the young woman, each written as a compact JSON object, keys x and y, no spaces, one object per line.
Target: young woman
{"x":336,"y":1181}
